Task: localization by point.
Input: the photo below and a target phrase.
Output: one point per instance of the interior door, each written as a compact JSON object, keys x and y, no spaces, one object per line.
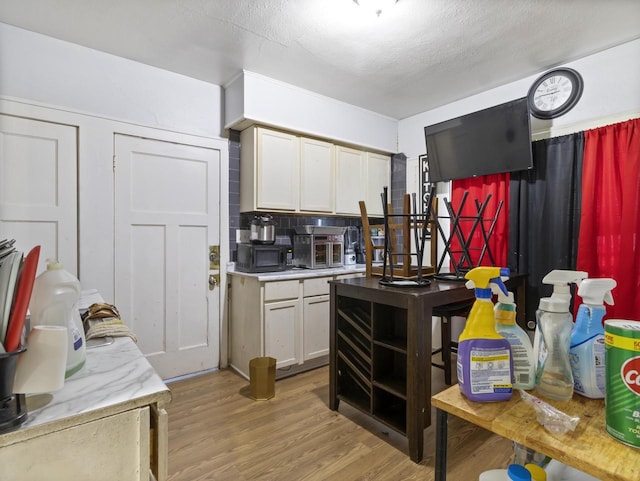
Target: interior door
{"x":166,"y":216}
{"x":38,"y":188}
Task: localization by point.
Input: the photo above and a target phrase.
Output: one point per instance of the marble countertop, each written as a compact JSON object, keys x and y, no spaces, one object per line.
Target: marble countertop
{"x":115,"y":378}
{"x":300,"y":273}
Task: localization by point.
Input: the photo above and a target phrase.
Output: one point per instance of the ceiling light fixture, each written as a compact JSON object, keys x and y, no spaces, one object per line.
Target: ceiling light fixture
{"x":376,"y":6}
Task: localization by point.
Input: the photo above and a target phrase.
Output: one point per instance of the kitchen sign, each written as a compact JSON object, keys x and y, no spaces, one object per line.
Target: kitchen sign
{"x":425,"y":185}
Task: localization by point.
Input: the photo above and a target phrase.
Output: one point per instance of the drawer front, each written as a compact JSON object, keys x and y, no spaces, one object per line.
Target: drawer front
{"x":317,"y":286}
{"x":350,"y":276}
{"x":274,"y":291}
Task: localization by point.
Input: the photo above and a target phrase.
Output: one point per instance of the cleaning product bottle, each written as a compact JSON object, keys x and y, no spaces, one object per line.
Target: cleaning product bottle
{"x":485,"y":367}
{"x":524,"y":364}
{"x":54,"y":302}
{"x":554,"y":379}
{"x":586,"y":351}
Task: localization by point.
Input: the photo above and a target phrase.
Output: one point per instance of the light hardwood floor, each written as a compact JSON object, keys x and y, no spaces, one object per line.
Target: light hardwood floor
{"x":217,"y":432}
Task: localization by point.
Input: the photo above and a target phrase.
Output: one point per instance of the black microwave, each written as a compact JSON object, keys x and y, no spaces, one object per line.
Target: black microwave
{"x":261,"y":258}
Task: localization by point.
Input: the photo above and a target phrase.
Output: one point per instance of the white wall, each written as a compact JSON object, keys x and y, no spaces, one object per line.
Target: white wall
{"x":53,"y":72}
{"x":100,"y":94}
{"x":252,"y":98}
{"x":611,"y":94}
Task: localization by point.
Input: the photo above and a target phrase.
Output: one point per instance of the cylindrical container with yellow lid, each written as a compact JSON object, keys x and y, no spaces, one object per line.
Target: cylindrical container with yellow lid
{"x":537,"y":473}
{"x":622,"y":395}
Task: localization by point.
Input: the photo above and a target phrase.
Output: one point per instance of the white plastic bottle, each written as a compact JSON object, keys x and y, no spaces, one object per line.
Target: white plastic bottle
{"x":524,"y":364}
{"x":556,"y":471}
{"x":54,"y":302}
{"x":514,"y":472}
{"x":587,"y":350}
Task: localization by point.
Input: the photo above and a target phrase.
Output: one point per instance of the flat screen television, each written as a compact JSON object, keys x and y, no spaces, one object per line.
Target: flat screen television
{"x":490,"y":141}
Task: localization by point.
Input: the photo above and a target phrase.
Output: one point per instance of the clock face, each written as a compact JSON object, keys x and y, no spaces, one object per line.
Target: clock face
{"x":552,"y":93}
{"x":555,"y":93}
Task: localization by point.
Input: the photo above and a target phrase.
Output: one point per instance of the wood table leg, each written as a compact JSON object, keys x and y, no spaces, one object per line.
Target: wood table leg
{"x":441,"y":445}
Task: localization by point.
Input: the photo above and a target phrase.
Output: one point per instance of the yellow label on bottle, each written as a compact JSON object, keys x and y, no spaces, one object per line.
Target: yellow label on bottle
{"x":505,"y":317}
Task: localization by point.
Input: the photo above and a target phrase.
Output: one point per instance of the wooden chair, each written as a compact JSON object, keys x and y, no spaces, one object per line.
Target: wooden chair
{"x":400,"y":227}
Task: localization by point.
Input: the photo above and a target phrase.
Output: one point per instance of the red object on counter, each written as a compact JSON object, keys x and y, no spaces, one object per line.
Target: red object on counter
{"x":21,"y":303}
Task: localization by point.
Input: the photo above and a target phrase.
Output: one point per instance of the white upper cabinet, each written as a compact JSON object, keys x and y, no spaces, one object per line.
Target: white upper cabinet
{"x":317,"y":159}
{"x":350,"y":180}
{"x":269,"y":170}
{"x":360,"y":176}
{"x":378,"y":177}
{"x":288,"y":173}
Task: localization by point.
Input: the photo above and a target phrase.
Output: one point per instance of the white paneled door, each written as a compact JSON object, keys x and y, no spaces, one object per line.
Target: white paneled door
{"x":38,"y":188}
{"x":167,"y":206}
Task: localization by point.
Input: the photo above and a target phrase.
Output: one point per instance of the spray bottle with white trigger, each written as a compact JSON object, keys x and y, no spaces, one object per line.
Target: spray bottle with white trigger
{"x":587,"y":350}
{"x":553,"y":336}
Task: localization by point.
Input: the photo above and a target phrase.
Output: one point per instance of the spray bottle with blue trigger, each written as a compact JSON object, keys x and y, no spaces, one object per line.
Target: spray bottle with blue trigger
{"x":485,"y":364}
{"x":587,"y":350}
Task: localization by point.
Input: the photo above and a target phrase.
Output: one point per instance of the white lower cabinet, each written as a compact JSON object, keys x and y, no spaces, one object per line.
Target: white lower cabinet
{"x":281,"y":330}
{"x":315,"y":333}
{"x":285,"y":319}
{"x":114,"y":447}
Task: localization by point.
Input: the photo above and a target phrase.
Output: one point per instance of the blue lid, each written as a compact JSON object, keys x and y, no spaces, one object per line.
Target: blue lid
{"x":482,"y":293}
{"x":518,"y":473}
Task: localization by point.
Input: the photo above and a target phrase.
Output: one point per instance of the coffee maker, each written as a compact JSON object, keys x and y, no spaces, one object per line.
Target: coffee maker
{"x":351,"y":246}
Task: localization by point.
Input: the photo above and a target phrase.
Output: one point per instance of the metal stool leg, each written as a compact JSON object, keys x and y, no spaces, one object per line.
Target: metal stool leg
{"x":446,"y":348}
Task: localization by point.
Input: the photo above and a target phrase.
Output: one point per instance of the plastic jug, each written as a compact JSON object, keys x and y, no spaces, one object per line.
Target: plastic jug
{"x":54,"y":302}
{"x":524,"y":364}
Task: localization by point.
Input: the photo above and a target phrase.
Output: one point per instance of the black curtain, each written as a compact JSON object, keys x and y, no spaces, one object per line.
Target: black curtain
{"x":544,"y":214}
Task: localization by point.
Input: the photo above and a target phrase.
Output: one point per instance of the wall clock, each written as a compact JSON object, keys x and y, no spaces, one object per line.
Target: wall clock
{"x":555,"y":93}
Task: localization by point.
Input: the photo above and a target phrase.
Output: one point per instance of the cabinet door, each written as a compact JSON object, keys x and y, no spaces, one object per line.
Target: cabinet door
{"x":315,"y":327}
{"x":350,"y":180}
{"x":282,"y":332}
{"x":278,"y":167}
{"x":378,"y":177}
{"x":316,"y":175}
{"x":107,"y":449}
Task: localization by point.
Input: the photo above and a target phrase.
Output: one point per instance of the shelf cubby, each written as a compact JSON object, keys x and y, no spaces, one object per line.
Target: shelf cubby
{"x":390,"y":327}
{"x":352,"y":386}
{"x":390,"y":370}
{"x":390,"y":409}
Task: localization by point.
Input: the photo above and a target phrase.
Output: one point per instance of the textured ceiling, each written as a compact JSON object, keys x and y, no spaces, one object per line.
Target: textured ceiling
{"x":415,"y":56}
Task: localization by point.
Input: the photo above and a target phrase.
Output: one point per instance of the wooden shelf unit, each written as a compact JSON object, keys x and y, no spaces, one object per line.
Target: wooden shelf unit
{"x":380,"y":350}
{"x":372,"y":351}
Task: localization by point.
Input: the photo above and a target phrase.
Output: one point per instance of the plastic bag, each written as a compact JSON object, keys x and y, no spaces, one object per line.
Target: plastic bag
{"x":553,"y":420}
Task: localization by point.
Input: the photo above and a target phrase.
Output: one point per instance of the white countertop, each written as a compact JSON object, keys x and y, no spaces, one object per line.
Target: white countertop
{"x":300,"y":273}
{"x":114,"y":378}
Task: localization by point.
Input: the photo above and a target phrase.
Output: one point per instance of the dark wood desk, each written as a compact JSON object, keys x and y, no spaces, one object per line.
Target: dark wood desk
{"x":589,"y":448}
{"x":380,"y":349}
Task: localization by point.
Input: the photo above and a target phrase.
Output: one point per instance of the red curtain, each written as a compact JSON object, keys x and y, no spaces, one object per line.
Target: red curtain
{"x":609,"y":240}
{"x":479,"y":187}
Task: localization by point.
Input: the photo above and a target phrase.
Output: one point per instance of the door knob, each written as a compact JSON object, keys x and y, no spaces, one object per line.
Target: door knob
{"x":213,"y":282}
